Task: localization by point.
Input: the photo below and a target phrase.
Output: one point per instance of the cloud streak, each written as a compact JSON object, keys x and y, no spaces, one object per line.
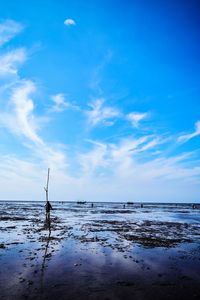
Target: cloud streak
{"x":23,"y":111}
{"x":136,"y":117}
{"x":9,"y":29}
{"x":100,"y":114}
{"x":10,"y":61}
{"x":186,"y":137}
{"x":60,"y":104}
{"x":20,"y":119}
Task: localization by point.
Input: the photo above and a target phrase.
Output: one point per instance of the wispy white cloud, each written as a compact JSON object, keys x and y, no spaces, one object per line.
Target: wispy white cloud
{"x":61,"y":104}
{"x":122,"y":175}
{"x":101,"y":114}
{"x":125,"y":152}
{"x":108,"y":172}
{"x":20,"y":119}
{"x":69,"y":22}
{"x":23,"y":109}
{"x":10,"y":61}
{"x":127,"y":147}
{"x":8,"y":29}
{"x":136,"y":117}
{"x":186,"y":137}
{"x":152,"y":144}
{"x":93,"y":159}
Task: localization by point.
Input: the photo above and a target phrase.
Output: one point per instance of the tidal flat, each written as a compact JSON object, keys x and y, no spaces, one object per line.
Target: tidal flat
{"x":102,"y":251}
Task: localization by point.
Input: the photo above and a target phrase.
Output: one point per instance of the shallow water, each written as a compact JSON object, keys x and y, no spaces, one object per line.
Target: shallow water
{"x":100,"y":252}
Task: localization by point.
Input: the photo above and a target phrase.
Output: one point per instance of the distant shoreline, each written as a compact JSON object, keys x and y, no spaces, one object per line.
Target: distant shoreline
{"x":104,"y":202}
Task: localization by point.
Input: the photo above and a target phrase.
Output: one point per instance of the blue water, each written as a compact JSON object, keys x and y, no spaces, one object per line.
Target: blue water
{"x":99,"y":252}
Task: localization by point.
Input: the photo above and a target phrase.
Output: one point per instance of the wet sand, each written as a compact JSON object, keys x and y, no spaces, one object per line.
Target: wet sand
{"x":100,"y":252}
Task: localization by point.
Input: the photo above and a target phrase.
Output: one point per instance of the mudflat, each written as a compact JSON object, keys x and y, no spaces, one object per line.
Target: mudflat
{"x":100,"y":251}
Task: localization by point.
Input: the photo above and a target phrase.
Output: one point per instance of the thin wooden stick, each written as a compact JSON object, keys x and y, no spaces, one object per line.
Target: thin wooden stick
{"x":47,"y":186}
{"x":48,"y":179}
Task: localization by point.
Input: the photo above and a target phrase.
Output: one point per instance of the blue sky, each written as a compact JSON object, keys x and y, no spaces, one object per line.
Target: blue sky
{"x":104,"y":93}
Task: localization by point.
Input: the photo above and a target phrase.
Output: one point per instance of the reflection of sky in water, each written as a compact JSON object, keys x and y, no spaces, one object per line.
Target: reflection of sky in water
{"x":95,"y":260}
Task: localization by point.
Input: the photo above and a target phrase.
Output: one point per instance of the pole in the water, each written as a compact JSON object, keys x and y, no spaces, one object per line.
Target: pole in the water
{"x":48,"y":205}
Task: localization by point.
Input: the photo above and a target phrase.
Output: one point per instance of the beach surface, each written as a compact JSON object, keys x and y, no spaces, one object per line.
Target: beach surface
{"x":105,"y":251}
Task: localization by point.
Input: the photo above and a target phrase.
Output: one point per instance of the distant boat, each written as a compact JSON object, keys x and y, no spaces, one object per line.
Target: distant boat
{"x":81,"y":202}
{"x":129,"y":202}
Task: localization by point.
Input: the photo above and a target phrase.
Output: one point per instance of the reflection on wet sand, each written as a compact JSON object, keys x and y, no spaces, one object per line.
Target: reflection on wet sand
{"x":101,"y":251}
{"x":47,"y":225}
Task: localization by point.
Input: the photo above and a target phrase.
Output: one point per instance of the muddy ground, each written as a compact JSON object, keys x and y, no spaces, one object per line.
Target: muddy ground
{"x":102,"y":252}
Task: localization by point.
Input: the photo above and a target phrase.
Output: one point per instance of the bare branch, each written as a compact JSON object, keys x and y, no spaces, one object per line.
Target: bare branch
{"x":47,"y":187}
{"x":48,"y":178}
